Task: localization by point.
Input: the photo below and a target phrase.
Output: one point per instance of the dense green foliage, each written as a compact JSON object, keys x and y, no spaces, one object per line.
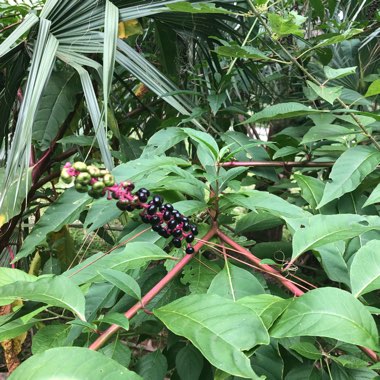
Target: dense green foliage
{"x":258,"y":120}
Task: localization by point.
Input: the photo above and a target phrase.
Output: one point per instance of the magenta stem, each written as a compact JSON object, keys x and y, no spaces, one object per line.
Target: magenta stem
{"x":290,"y":164}
{"x":103,"y":338}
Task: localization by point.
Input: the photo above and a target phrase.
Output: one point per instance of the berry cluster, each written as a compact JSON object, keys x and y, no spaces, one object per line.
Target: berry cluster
{"x":163,"y":218}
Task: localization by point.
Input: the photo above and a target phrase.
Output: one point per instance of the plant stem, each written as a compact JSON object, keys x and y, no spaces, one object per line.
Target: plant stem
{"x":103,"y":338}
{"x":290,"y":164}
{"x":266,"y":268}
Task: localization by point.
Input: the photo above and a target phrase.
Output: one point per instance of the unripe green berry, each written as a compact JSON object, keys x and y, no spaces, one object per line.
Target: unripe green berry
{"x":80,"y":166}
{"x":98,"y":187}
{"x":84,"y":178}
{"x":109,"y":180}
{"x":80,"y":187}
{"x":66,"y":177}
{"x":94,"y":171}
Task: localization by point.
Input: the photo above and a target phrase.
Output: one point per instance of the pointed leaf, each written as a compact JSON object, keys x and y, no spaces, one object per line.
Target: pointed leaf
{"x":123,"y":281}
{"x":365,"y":269}
{"x":373,"y":89}
{"x":311,"y":189}
{"x":134,"y":255}
{"x":374,"y":197}
{"x":118,"y":319}
{"x":349,"y":171}
{"x":80,"y":363}
{"x":55,"y":291}
{"x":235,"y":283}
{"x":64,"y":211}
{"x":152,"y":366}
{"x":331,"y":313}
{"x":214,"y":325}
{"x":327,"y":93}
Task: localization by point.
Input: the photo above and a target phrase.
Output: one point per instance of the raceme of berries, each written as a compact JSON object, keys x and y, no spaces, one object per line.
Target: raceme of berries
{"x":163,"y":218}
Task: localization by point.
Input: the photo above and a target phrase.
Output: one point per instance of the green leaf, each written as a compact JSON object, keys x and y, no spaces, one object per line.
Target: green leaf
{"x":134,"y":255}
{"x":349,"y":171}
{"x":257,"y":221}
{"x":49,"y":337}
{"x":103,"y":207}
{"x":339,"y":37}
{"x":373,"y":89}
{"x":374,"y":197}
{"x":281,"y":111}
{"x":228,"y":175}
{"x":199,"y":275}
{"x":266,"y":306}
{"x":184,"y":6}
{"x":55,"y":291}
{"x":57,"y":101}
{"x":263,"y":200}
{"x":79,"y":363}
{"x":307,"y":350}
{"x":189,"y":363}
{"x":214,"y":325}
{"x":241,"y":52}
{"x":327,"y":93}
{"x":64,"y":211}
{"x":79,"y":140}
{"x":331,"y":313}
{"x":123,"y":281}
{"x":311,"y":189}
{"x":338,"y":73}
{"x":117,"y":351}
{"x":365,"y":269}
{"x":118,"y":319}
{"x":319,"y":230}
{"x":190,"y":207}
{"x":235,"y":283}
{"x":286,"y":151}
{"x":283,"y":26}
{"x":90,"y":327}
{"x":328,"y":132}
{"x":152,"y":366}
{"x":216,"y":101}
{"x":10,"y":275}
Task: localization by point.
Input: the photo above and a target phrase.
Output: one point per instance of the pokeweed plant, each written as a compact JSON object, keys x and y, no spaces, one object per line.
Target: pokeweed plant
{"x":227,"y":307}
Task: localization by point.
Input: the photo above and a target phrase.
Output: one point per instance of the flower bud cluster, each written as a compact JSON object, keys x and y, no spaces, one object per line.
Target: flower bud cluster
{"x":163,"y":218}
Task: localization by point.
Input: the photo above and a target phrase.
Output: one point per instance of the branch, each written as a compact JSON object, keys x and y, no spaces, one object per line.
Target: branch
{"x":266,"y":268}
{"x":103,"y":338}
{"x":285,"y":164}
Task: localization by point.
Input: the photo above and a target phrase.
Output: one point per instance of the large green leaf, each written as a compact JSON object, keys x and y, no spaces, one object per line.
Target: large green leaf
{"x":281,"y":111}
{"x":189,"y":363}
{"x":57,"y":101}
{"x":266,"y":306}
{"x":365,"y":269}
{"x":265,"y":201}
{"x":374,"y":197}
{"x":328,"y":312}
{"x":50,"y":336}
{"x":152,"y":366}
{"x":311,"y":189}
{"x":64,"y":211}
{"x":319,"y":230}
{"x":79,"y":363}
{"x":134,"y":255}
{"x":215,"y":326}
{"x":349,"y":171}
{"x":55,"y":291}
{"x":123,"y":281}
{"x":9,"y":275}
{"x":235,"y":283}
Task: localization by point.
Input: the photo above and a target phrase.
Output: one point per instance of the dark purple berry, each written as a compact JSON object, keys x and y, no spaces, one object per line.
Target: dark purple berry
{"x":156,"y":228}
{"x":177,"y":233}
{"x":177,"y":243}
{"x":122,"y":205}
{"x":186,"y":226}
{"x":168,"y":207}
{"x":190,"y":238}
{"x":177,"y":217}
{"x":189,"y":250}
{"x":185,"y":219}
{"x":157,"y":200}
{"x":151,"y":210}
{"x":130,"y":208}
{"x":172,"y":224}
{"x":144,"y":191}
{"x":142,"y":197}
{"x":145,"y":218}
{"x":166,"y":216}
{"x":194,"y":230}
{"x":174,"y":211}
{"x":115,"y":196}
{"x":154,"y":220}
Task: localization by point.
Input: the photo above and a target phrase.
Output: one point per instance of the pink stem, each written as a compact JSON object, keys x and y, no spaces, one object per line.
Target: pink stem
{"x":12,"y":255}
{"x":103,"y":338}
{"x":284,"y":281}
{"x":290,"y":164}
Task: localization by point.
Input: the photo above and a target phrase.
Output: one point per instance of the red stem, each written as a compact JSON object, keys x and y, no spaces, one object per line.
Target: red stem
{"x":288,"y":284}
{"x":103,"y":338}
{"x":290,"y":164}
{"x":251,"y":257}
